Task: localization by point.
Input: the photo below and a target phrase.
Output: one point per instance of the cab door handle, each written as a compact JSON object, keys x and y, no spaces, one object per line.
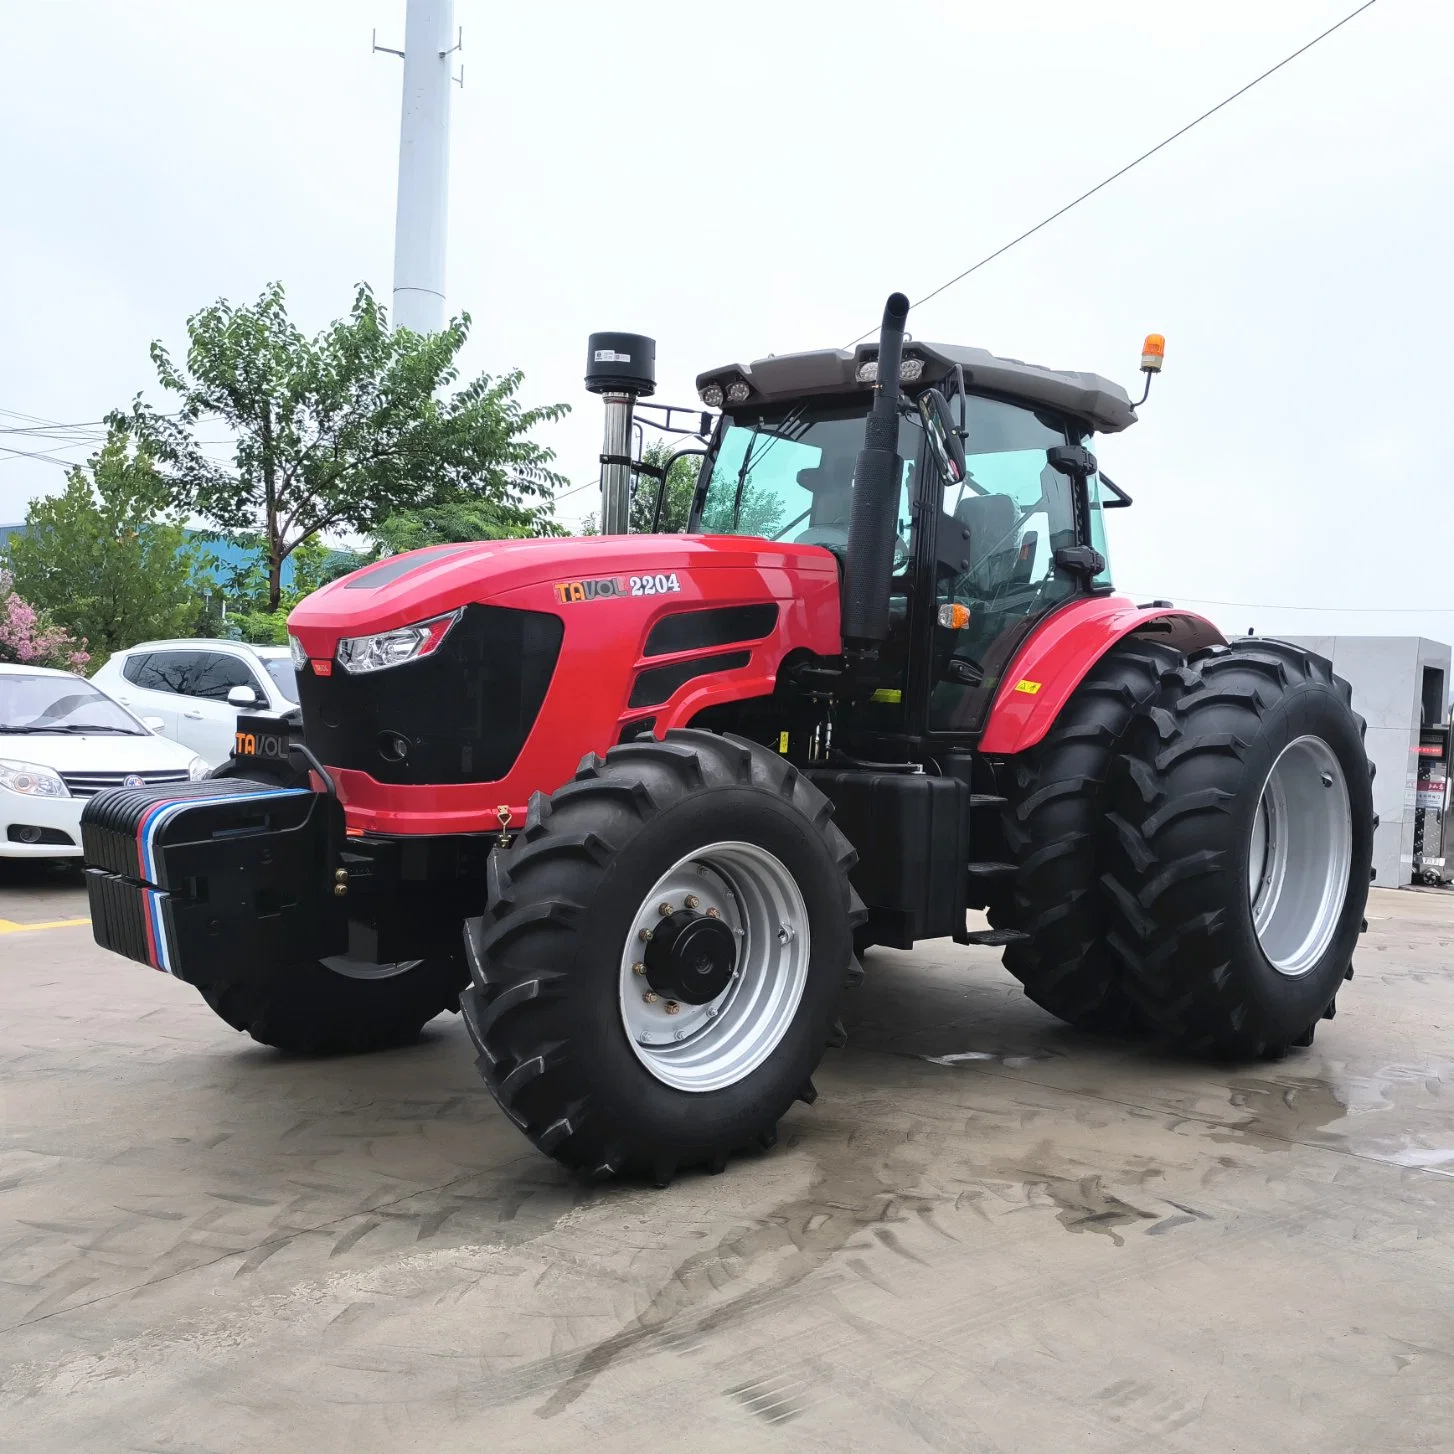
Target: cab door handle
{"x":193,"y":716}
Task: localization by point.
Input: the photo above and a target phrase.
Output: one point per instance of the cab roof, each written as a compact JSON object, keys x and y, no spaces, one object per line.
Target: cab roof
{"x":1104,"y":405}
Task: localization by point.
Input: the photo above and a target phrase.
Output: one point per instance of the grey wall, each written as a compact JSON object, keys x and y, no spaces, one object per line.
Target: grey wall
{"x":1386,"y":674}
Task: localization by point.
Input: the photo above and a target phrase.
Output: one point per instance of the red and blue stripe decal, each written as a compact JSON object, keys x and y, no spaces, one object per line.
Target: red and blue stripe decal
{"x":152,"y":820}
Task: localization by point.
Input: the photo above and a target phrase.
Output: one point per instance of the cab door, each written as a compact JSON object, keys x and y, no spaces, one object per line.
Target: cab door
{"x":990,"y":575}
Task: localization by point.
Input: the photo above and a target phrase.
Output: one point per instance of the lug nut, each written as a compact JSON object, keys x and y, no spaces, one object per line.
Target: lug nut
{"x":692,"y":901}
{"x":664,"y":910}
{"x":340,"y":875}
{"x":340,"y":891}
{"x":713,"y":914}
{"x":650,"y":997}
{"x":645,"y":936}
{"x":638,"y":968}
{"x":672,"y":1008}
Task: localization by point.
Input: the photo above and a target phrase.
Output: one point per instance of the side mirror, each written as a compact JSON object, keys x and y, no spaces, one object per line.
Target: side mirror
{"x":241,"y":697}
{"x":947,"y":446}
{"x":154,"y":724}
{"x":659,"y":473}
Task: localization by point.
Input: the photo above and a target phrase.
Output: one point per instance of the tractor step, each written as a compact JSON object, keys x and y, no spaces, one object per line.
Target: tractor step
{"x":986,"y":800}
{"x":990,"y":870}
{"x":992,"y":937}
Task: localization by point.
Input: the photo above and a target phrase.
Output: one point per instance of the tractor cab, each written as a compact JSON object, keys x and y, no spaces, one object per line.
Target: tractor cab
{"x":976,"y":561}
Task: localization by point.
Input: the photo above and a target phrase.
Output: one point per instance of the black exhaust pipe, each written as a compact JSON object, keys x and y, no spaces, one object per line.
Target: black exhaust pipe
{"x":873,"y":520}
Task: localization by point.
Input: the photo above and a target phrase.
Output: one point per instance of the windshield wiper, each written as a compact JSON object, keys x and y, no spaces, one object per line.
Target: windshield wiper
{"x":66,"y":729}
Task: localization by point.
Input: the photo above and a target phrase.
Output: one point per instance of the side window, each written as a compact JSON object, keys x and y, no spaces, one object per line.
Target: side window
{"x":134,"y":668}
{"x":217,"y":674}
{"x":207,"y":674}
{"x":166,"y":671}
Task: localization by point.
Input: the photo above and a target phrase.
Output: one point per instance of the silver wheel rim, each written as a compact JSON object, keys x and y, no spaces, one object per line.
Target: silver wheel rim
{"x":1300,"y":855}
{"x":360,"y":969}
{"x":709,"y":1046}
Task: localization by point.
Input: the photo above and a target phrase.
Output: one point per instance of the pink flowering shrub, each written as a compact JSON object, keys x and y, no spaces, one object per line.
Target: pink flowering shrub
{"x":27,"y":637}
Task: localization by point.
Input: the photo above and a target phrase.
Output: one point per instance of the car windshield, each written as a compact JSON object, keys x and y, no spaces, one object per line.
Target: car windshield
{"x":786,"y":473}
{"x":62,"y":705}
{"x":280,"y":668}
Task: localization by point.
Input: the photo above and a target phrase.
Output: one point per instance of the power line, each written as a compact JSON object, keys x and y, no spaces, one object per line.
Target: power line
{"x":39,"y":454}
{"x":1145,"y":155}
{"x":576,"y":489}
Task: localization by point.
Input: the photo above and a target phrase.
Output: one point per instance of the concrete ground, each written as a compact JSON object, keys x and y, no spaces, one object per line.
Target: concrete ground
{"x":988,"y":1234}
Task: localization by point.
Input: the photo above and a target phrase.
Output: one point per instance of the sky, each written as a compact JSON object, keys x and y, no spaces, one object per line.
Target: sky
{"x":751,"y":178}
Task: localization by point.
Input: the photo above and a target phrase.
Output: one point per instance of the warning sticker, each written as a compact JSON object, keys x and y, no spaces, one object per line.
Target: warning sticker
{"x":609,"y":355}
{"x":1028,"y":687}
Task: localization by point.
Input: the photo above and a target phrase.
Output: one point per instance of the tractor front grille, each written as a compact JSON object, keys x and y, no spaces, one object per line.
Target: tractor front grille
{"x":461,"y":715}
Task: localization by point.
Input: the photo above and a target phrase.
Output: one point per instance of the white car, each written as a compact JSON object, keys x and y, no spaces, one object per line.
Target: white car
{"x":61,"y":741}
{"x":197,"y":688}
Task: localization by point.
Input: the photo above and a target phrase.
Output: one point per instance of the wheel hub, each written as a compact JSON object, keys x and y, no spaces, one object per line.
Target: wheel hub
{"x":691,"y":957}
{"x":714,"y":966}
{"x":1300,"y":855}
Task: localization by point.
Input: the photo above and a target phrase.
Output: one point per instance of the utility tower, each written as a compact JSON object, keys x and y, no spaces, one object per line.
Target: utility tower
{"x":422,"y":215}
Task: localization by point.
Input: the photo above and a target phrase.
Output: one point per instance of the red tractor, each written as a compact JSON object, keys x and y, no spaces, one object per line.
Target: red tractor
{"x":637,"y":803}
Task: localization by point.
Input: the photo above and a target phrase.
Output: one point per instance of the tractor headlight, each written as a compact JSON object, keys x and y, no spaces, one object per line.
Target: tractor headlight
{"x":31,"y":781}
{"x":295,"y":650}
{"x":394,"y":648}
{"x":711,"y":396}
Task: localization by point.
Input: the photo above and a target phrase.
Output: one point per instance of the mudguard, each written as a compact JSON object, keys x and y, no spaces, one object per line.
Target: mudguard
{"x":1060,"y":651}
{"x":213,"y":876}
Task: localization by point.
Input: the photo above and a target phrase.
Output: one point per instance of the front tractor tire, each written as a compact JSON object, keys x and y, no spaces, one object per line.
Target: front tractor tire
{"x":658,"y":970}
{"x":1241,"y":850}
{"x":335,"y":1006}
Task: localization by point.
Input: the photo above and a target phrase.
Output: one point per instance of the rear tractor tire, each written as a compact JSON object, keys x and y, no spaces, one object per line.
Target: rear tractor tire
{"x":659,"y":967}
{"x":1242,"y":842}
{"x":1053,"y":823}
{"x":334,"y":1006}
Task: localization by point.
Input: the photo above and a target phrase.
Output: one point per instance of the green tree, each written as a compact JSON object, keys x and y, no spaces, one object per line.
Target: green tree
{"x":245,"y":587}
{"x":105,"y":560}
{"x":339,"y":432}
{"x":459,"y":520}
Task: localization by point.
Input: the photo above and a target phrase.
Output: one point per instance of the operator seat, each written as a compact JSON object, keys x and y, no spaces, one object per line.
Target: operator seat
{"x":831,"y":486}
{"x":992,"y":522}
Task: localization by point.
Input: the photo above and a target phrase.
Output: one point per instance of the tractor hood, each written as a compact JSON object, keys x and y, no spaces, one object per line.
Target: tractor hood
{"x":540,"y":574}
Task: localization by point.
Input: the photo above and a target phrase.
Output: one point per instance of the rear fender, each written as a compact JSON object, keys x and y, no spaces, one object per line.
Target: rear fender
{"x":1056,"y":656}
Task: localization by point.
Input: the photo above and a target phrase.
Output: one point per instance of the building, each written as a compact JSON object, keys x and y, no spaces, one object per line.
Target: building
{"x":1401,"y":688}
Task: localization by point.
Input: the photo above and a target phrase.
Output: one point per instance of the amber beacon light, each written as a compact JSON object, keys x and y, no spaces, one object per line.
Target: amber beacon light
{"x":1153,"y":355}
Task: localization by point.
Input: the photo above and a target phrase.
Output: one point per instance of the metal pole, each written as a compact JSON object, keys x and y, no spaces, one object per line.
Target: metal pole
{"x":423,"y":200}
{"x":616,"y":477}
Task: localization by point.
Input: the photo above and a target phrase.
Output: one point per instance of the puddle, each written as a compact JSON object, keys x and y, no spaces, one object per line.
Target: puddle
{"x":1351,"y":1111}
{"x":1014,"y":1060}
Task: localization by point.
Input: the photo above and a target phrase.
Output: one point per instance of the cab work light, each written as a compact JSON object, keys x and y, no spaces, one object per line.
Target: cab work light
{"x":910,"y":369}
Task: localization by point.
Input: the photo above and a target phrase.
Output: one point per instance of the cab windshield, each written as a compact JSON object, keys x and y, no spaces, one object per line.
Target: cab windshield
{"x":786,"y":473}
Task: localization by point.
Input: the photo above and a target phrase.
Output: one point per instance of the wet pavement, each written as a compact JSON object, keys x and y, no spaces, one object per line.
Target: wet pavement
{"x":989,"y":1233}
